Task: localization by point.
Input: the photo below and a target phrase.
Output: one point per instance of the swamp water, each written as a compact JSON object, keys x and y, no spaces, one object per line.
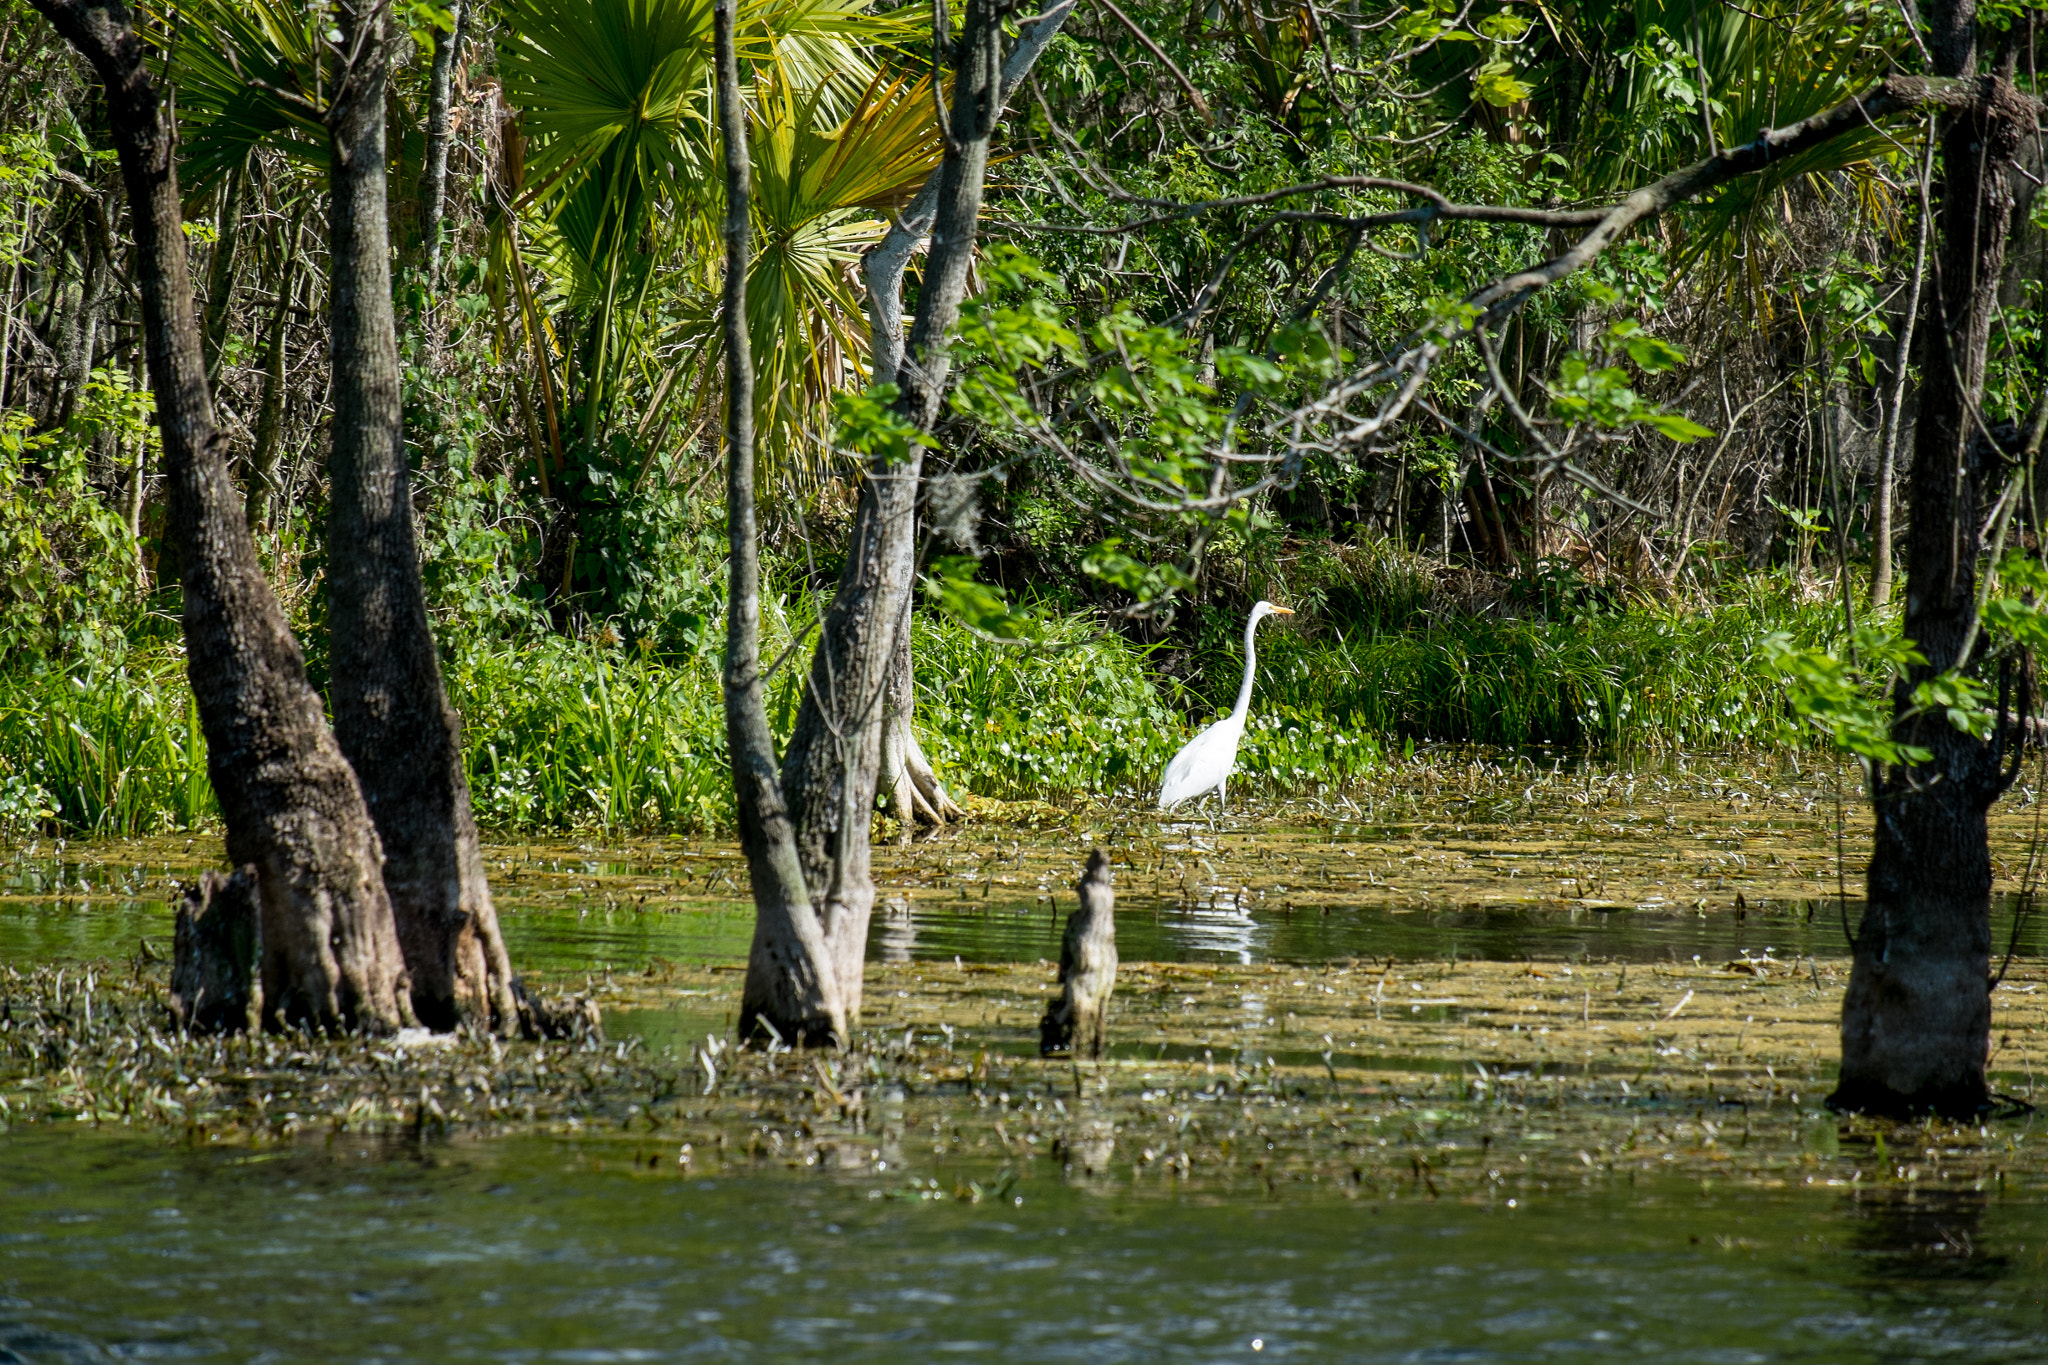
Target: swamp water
{"x":1478,"y":1064}
{"x":518,"y":1250}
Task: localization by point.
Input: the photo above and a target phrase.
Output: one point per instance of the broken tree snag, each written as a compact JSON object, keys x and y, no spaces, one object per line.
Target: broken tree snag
{"x":1075,"y":1022}
{"x":213,"y":963}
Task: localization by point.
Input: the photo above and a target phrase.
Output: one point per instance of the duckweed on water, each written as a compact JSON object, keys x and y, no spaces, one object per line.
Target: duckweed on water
{"x":1475,"y":1081}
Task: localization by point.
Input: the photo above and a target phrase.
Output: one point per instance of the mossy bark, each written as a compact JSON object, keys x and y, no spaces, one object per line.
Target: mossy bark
{"x":391,"y":709}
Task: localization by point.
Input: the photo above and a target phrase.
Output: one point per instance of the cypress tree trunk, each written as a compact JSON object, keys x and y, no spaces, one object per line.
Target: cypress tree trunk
{"x":830,"y":772}
{"x":791,"y":987}
{"x":390,"y":710}
{"x":1917,"y":1018}
{"x":290,"y":801}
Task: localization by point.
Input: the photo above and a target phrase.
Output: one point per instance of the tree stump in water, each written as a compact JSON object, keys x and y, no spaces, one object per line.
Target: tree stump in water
{"x":1075,"y":1022}
{"x":213,"y":961}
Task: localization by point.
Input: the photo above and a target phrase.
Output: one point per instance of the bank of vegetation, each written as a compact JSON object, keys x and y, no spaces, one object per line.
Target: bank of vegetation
{"x":1581,"y":375}
{"x":560,"y":384}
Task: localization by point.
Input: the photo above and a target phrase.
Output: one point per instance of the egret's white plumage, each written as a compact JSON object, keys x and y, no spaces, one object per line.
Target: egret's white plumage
{"x":1205,"y":764}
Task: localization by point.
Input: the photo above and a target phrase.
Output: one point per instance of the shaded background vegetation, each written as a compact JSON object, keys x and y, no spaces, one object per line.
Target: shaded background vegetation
{"x":561,"y":363}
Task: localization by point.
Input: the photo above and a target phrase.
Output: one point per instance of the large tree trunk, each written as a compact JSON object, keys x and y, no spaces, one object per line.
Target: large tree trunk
{"x":288,"y":797}
{"x":792,"y":989}
{"x":1916,"y":1021}
{"x":830,"y":772}
{"x":390,"y":709}
{"x":913,"y":787}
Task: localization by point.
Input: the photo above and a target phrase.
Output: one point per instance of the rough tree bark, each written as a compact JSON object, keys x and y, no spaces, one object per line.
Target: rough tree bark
{"x":434,"y":176}
{"x":1916,"y":1023}
{"x":1077,"y":1022}
{"x":391,"y":711}
{"x":214,"y":987}
{"x":913,"y":786}
{"x":287,"y":796}
{"x":830,"y":772}
{"x":792,"y":989}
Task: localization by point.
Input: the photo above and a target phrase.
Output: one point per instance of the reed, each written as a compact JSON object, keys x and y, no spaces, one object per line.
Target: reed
{"x":104,"y":749}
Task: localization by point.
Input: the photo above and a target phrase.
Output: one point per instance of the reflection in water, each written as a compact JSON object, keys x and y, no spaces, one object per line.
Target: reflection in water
{"x":1213,"y":923}
{"x":1916,"y":1233}
{"x":894,"y":930}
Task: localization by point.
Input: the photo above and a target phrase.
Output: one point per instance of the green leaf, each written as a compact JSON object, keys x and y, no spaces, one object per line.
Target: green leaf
{"x":951,"y":585}
{"x":1678,"y":428}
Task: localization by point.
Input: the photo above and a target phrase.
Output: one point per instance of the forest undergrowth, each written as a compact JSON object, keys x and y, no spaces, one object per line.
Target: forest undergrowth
{"x":571,"y":733}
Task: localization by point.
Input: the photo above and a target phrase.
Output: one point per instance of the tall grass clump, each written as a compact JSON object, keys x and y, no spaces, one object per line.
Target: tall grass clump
{"x":1383,"y":656}
{"x":110,"y":747}
{"x":1075,"y":712}
{"x":561,"y":733}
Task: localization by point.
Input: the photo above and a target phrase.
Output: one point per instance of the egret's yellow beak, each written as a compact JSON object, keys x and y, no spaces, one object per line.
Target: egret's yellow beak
{"x":1283,"y":611}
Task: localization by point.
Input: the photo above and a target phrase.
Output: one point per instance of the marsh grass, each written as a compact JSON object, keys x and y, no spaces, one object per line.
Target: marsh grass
{"x":1610,"y":678}
{"x":104,"y":749}
{"x":564,"y":734}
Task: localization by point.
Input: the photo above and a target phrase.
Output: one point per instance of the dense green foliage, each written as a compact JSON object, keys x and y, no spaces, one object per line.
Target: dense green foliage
{"x":1703,"y":411}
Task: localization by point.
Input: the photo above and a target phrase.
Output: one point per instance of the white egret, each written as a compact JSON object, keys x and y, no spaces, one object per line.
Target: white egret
{"x":1206,"y":763}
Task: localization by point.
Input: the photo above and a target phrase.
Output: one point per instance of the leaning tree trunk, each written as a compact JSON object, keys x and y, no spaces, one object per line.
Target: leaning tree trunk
{"x":287,"y":796}
{"x":792,"y":990}
{"x":1916,"y":1021}
{"x":390,"y":709}
{"x":830,"y":773}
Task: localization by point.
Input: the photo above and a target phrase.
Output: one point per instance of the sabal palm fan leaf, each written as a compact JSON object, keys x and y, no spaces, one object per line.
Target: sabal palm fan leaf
{"x":829,"y":46}
{"x":1693,"y":77}
{"x":816,"y":188}
{"x":248,"y":74}
{"x":613,"y":88}
{"x":615,"y":100}
{"x":1799,"y":73}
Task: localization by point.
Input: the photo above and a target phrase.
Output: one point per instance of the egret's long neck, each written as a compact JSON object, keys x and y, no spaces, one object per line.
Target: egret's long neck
{"x":1251,"y":663}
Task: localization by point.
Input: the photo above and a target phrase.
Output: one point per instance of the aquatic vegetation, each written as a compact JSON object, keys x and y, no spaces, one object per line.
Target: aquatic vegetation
{"x":1640,"y":677}
{"x":1346,"y":1079}
{"x":111,"y":747}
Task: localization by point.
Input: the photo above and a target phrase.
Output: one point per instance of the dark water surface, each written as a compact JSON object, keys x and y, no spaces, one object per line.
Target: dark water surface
{"x":119,"y":1248}
{"x":45,"y":917}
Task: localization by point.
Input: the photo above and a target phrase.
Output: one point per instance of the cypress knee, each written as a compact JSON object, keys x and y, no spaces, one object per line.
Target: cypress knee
{"x":1076,"y":1021}
{"x":213,"y":963}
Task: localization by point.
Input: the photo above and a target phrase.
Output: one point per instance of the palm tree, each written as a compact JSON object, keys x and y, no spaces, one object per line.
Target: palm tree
{"x":614,"y":196}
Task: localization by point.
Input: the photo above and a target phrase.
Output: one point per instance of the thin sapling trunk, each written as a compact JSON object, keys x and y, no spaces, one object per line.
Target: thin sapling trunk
{"x":792,"y":989}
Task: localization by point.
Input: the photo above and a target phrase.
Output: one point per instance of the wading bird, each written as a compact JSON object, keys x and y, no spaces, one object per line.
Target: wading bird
{"x":1205,"y":764}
